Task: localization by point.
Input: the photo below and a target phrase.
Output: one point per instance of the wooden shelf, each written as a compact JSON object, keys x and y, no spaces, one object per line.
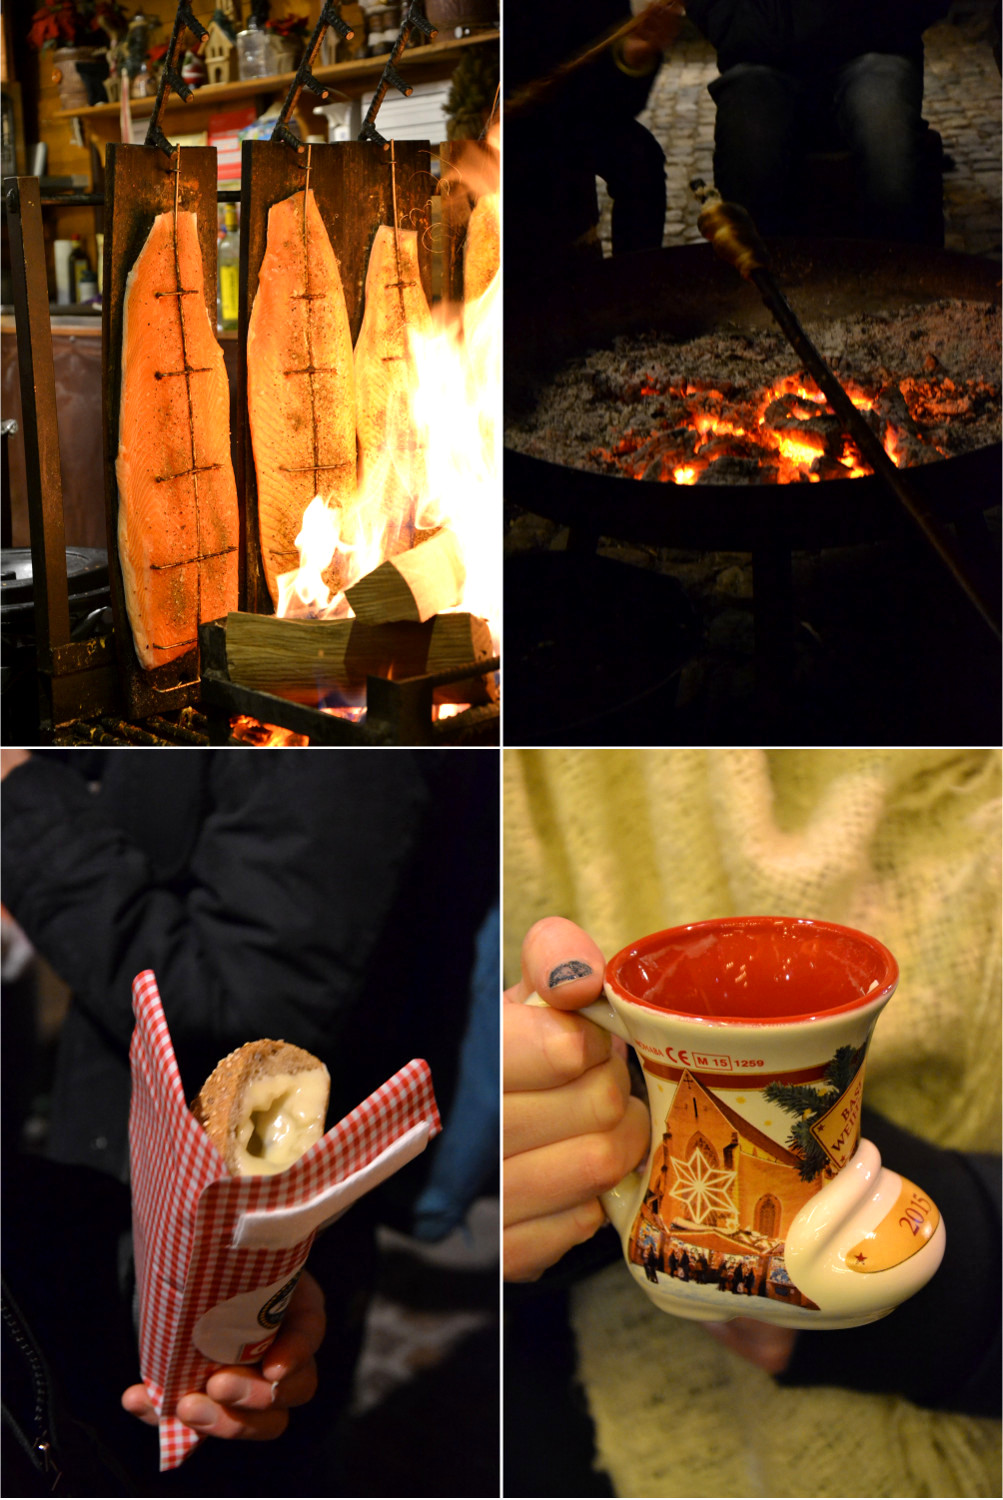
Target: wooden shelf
{"x":417,"y":63}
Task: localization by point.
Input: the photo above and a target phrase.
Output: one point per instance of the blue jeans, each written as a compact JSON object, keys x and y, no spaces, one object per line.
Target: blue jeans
{"x":768,"y":117}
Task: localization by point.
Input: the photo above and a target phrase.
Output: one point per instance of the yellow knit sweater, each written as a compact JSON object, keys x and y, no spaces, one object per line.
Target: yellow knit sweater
{"x":904,"y":844}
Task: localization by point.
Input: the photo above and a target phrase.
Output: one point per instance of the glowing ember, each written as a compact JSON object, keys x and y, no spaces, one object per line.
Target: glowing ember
{"x":788,"y":430}
{"x":264,"y":736}
{"x":725,"y":408}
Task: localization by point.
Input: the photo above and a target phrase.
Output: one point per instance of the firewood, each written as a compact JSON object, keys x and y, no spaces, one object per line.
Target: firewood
{"x":414,"y":585}
{"x":305,"y":660}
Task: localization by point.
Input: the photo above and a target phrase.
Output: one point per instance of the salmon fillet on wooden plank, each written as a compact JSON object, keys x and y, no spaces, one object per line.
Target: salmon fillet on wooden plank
{"x":389,"y":456}
{"x":177,"y":499}
{"x":300,"y":381}
{"x":481,"y":250}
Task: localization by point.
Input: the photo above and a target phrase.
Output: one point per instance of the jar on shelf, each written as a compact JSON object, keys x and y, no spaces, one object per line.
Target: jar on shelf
{"x":73,"y":92}
{"x":255,"y":54}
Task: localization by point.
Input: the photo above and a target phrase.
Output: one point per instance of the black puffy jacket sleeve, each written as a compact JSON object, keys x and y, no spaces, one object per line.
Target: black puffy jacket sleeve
{"x":265,"y":889}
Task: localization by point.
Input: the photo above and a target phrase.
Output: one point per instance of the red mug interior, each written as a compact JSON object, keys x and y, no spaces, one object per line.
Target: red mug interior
{"x":755,"y":969}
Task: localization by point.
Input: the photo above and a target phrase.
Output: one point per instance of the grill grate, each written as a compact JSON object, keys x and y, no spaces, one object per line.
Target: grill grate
{"x":190,"y":728}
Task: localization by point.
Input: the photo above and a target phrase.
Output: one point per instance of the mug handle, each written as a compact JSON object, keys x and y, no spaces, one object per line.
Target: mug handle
{"x":621,"y":1202}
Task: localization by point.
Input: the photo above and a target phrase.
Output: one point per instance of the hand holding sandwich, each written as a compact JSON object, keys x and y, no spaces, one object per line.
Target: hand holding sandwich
{"x":253,"y":1401}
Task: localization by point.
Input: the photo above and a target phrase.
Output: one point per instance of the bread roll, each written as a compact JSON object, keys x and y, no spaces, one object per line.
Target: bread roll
{"x":263,"y":1106}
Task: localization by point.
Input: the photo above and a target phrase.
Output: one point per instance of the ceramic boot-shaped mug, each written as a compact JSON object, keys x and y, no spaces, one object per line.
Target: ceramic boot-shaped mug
{"x":758,"y":1198}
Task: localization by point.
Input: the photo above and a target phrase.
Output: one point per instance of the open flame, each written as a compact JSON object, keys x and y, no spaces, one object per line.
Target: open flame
{"x":442,"y":462}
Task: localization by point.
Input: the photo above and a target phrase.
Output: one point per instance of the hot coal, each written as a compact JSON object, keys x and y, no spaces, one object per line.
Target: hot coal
{"x":732,"y":408}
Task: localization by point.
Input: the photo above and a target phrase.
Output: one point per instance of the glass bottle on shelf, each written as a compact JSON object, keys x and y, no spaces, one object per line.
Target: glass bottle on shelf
{"x":255,"y":58}
{"x":228,"y":278}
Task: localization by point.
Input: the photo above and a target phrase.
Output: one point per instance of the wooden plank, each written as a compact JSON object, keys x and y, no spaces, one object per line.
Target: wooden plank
{"x":39,"y":426}
{"x":351,"y":181}
{"x":305,"y":660}
{"x":456,"y":205}
{"x":139,"y":186}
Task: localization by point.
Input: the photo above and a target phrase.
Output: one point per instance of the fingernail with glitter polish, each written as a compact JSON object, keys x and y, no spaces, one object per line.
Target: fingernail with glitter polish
{"x":575,"y":968}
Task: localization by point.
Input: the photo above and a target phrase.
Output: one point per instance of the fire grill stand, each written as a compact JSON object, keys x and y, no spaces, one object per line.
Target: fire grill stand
{"x":398,"y":712}
{"x":78,"y":680}
{"x":773,"y":601}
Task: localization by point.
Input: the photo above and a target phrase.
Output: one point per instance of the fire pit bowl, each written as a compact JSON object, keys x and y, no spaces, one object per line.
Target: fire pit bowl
{"x":920,"y":622}
{"x":685,"y":292}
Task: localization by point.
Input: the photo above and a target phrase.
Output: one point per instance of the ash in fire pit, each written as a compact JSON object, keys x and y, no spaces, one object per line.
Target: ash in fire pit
{"x":727,"y":408}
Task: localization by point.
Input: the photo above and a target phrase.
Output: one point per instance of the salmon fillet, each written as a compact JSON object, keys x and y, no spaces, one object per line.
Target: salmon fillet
{"x":481,"y":249}
{"x":390,"y":461}
{"x":300,"y":381}
{"x":177,"y":499}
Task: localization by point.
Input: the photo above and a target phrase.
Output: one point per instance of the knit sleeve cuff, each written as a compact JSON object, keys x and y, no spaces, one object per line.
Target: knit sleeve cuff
{"x":941,"y":1349}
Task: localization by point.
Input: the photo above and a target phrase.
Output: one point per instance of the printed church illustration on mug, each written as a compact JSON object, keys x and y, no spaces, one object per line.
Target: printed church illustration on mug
{"x":720,"y":1198}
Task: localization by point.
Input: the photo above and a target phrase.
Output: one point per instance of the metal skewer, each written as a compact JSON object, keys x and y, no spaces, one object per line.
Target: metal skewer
{"x":170,"y":77}
{"x":734,"y":236}
{"x":330,"y":15}
{"x":414,"y":20}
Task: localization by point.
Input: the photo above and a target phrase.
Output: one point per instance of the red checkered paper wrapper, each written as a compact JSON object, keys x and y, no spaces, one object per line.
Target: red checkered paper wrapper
{"x":217,"y":1257}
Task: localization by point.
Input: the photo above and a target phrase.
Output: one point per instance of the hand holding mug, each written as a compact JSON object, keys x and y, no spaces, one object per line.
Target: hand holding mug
{"x":571,"y":1129}
{"x":752,"y":1033}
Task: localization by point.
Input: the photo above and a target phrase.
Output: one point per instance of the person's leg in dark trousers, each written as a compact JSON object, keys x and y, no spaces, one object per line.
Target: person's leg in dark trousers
{"x":879,"y":108}
{"x":756,"y":134}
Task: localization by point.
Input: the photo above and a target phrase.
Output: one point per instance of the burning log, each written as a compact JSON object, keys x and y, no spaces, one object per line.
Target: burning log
{"x":413,"y":586}
{"x":306,"y":660}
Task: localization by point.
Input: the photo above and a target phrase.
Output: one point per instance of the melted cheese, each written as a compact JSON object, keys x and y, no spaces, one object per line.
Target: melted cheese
{"x":284,"y":1116}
